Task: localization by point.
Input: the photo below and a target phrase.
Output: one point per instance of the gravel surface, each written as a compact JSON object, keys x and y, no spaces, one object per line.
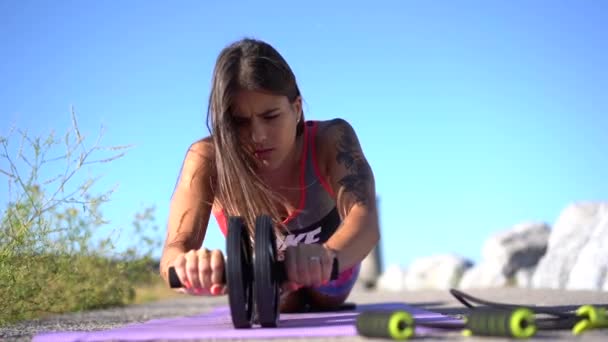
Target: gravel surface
{"x":440,"y":301}
{"x":111,"y":318}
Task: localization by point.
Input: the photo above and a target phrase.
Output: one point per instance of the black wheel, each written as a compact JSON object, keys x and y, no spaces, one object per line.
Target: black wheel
{"x":238,"y":273}
{"x":267,"y":283}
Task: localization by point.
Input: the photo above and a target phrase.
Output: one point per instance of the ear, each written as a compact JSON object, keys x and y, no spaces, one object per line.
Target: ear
{"x":297,"y":108}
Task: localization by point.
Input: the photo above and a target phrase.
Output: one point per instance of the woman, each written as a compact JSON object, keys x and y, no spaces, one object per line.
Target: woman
{"x":311,"y":177}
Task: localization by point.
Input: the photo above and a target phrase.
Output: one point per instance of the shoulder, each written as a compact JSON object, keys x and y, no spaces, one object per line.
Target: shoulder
{"x":199,"y":161}
{"x":202,"y":148}
{"x":326,"y":126}
{"x":201,"y":151}
{"x":336,"y":134}
{"x":339,"y":148}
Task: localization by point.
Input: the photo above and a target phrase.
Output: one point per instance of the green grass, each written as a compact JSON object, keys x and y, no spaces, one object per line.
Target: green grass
{"x":49,"y":263}
{"x":153,"y":290}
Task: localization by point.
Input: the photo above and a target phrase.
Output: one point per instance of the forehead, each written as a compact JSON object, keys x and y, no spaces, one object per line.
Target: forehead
{"x":251,"y":102}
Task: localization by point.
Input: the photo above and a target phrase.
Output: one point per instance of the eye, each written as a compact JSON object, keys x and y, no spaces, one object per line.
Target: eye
{"x":271,"y":116}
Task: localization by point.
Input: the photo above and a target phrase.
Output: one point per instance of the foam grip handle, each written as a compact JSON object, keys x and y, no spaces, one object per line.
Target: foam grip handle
{"x":515,"y":323}
{"x":335,"y":270}
{"x":396,"y":325}
{"x":590,"y":317}
{"x":175,"y":283}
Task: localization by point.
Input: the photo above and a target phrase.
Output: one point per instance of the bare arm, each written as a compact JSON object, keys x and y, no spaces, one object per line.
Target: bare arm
{"x":190,"y":206}
{"x":352,"y":180}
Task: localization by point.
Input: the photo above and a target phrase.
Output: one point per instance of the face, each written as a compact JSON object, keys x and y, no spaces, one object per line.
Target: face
{"x":267,"y":125}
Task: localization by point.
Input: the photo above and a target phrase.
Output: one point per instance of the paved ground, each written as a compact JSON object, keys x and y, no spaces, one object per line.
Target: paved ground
{"x":440,"y":301}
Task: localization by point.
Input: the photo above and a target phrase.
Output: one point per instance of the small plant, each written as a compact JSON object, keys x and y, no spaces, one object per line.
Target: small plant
{"x":49,"y":262}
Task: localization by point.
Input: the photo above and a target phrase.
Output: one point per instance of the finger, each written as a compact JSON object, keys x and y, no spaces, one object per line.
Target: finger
{"x":197,"y":292}
{"x":217,"y":267}
{"x":327,"y":263}
{"x":204,"y":271}
{"x":303,"y":267}
{"x":314,"y":270}
{"x":291,"y":264}
{"x":190,"y":291}
{"x":217,"y":289}
{"x":192,"y":269}
{"x":179,"y":264}
{"x":292,"y":286}
{"x":181,"y":290}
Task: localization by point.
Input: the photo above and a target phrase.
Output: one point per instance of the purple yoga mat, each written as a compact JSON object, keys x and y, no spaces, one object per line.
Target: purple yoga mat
{"x":218,"y":325}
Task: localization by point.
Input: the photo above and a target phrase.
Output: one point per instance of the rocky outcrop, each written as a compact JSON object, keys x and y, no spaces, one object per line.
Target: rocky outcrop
{"x":393,"y":279}
{"x":573,"y":255}
{"x":578,"y":255}
{"x":440,"y":272}
{"x":506,"y":253}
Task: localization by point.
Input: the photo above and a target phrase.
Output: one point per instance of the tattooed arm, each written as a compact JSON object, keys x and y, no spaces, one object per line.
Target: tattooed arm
{"x":352,"y":180}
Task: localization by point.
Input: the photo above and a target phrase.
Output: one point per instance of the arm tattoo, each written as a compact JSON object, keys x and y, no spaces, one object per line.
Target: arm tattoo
{"x":357,"y":180}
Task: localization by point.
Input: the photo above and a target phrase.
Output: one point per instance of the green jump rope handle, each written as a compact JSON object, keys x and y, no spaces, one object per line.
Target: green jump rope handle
{"x":513,"y":323}
{"x":396,"y":325}
{"x":591,"y":318}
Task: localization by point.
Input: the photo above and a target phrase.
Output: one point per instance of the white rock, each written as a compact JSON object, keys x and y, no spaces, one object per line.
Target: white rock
{"x":570,"y":235}
{"x":505,"y":253}
{"x":520,"y":246}
{"x":392,"y":279}
{"x":523,"y":277}
{"x":483,"y":275}
{"x":589,"y":269}
{"x":435,"y":272}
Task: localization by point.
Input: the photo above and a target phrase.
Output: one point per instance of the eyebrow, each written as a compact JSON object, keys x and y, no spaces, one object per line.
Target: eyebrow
{"x":266,"y":112}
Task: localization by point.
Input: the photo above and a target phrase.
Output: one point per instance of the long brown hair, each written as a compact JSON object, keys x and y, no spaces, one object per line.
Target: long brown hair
{"x":246,"y":64}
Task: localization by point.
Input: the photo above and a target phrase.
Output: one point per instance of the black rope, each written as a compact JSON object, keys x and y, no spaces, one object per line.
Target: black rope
{"x":560,"y":319}
{"x":461,"y":297}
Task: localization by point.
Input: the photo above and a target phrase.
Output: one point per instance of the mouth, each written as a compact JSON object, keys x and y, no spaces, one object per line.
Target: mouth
{"x":263,"y":152}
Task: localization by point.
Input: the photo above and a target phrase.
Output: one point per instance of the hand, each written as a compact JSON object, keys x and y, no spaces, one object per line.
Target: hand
{"x":308,"y":265}
{"x":201,"y":272}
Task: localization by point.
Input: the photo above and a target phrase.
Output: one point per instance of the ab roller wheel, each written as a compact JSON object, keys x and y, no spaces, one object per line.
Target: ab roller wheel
{"x":239,"y":279}
{"x":254,"y":276}
{"x":266,"y":269}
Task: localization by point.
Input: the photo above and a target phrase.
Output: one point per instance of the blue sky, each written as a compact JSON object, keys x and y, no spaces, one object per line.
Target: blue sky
{"x":475,"y":116}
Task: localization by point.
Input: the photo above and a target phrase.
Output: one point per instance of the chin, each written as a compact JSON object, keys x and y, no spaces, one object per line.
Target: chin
{"x":269,"y":165}
{"x":265,"y":166}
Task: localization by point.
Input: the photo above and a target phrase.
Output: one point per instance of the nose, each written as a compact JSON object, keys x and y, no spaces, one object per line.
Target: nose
{"x":258,"y":132}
